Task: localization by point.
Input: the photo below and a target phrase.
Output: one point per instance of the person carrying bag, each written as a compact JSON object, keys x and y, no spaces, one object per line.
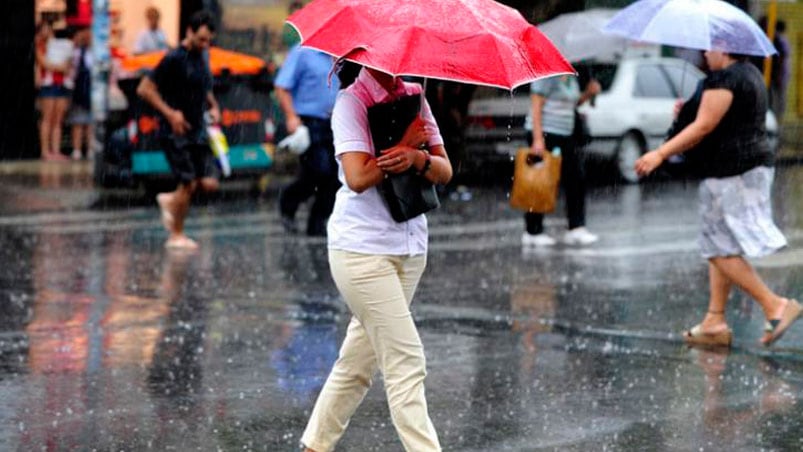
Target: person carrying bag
{"x":551,"y":123}
{"x":406,"y":194}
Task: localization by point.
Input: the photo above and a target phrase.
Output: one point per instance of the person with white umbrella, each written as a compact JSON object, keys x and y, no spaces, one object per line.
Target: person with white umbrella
{"x":735,"y":159}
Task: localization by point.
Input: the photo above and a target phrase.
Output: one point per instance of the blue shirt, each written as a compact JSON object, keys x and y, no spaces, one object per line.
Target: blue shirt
{"x":305,"y":74}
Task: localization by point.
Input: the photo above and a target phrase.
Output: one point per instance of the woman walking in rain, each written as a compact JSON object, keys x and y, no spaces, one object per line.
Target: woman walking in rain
{"x":735,"y":204}
{"x":376,"y":263}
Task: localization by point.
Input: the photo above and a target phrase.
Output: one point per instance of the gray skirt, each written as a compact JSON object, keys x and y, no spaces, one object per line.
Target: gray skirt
{"x":737,"y":216}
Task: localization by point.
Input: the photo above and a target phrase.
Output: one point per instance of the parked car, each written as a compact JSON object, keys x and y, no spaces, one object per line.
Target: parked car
{"x":630,"y":116}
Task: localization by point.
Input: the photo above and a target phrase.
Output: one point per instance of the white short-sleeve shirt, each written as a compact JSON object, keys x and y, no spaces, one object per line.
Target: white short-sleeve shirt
{"x":361,"y":222}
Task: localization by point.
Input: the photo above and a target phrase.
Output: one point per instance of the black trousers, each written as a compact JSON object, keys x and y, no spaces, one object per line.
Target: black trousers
{"x":572,"y":180}
{"x":317,"y":176}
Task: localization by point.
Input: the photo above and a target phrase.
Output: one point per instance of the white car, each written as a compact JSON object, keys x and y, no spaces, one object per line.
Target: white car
{"x":631,"y":115}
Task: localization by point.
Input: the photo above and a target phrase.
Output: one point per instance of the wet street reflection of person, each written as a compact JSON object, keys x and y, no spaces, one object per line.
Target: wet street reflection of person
{"x":307,"y":346}
{"x":726,"y":419}
{"x":376,"y":264}
{"x":175,"y":374}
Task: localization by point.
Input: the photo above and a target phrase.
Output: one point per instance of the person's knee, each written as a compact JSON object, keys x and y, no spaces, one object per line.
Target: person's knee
{"x":407,"y":368}
{"x":209,"y":184}
{"x":186,"y":189}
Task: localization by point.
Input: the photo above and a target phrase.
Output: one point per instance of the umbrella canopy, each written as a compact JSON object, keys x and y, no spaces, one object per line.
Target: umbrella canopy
{"x":695,"y":24}
{"x":236,"y":63}
{"x":470,"y":41}
{"x":579,"y":35}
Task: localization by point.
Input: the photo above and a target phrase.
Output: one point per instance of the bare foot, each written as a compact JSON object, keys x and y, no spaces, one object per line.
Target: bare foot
{"x":163,"y":199}
{"x":181,"y":242}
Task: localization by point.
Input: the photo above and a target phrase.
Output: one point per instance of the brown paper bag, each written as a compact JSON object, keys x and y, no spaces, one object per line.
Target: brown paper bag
{"x":535,"y":185}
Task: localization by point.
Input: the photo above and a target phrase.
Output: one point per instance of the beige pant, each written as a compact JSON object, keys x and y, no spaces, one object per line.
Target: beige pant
{"x":378,"y":290}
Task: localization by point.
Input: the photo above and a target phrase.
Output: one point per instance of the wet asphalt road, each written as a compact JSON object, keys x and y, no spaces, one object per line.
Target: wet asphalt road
{"x":110,"y":342}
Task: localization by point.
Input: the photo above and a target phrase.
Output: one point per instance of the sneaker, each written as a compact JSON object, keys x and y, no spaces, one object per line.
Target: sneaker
{"x":76,"y":154}
{"x":579,"y":236}
{"x":537,"y":240}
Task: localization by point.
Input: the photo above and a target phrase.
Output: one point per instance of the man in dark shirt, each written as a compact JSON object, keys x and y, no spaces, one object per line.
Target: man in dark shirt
{"x":180,"y":88}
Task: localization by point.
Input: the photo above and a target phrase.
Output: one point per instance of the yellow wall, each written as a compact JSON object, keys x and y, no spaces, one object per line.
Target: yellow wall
{"x":132,"y":19}
{"x":791,"y":12}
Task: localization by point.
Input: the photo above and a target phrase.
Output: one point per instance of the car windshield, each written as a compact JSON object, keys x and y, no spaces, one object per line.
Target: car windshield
{"x":603,"y":72}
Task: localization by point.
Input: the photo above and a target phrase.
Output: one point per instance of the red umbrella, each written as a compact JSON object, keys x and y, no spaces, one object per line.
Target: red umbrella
{"x":471,"y":41}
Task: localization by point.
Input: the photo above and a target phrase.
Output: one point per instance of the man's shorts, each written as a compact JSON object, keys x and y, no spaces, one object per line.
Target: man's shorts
{"x":190,"y":161}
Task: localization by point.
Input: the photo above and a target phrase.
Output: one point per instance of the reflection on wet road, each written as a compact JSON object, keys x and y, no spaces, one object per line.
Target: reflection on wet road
{"x":108,"y":341}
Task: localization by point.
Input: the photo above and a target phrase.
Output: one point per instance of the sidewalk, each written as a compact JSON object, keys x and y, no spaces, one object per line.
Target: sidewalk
{"x":32,"y":186}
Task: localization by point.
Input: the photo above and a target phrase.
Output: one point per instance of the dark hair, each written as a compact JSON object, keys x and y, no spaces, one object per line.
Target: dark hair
{"x":780,"y":26}
{"x":294,"y":6}
{"x":201,"y":18}
{"x":740,"y":56}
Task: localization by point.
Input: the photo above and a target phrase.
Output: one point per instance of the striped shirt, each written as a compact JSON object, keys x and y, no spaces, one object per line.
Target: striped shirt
{"x":561,"y":94}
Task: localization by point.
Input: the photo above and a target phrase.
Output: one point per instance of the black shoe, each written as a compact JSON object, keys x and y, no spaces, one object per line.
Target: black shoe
{"x":289,"y":225}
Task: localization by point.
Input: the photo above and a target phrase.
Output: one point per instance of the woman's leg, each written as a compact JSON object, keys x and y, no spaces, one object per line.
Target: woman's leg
{"x":574,"y":184}
{"x":740,"y":272}
{"x":88,"y":137}
{"x":344,"y":390}
{"x":720,"y":288}
{"x":62,"y":103}
{"x":48,"y":105}
{"x":377,"y":290}
{"x":77,"y":140}
{"x":534,"y":223}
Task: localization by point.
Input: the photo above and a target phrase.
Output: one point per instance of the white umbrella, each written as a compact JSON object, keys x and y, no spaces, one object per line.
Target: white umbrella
{"x":579,"y":35}
{"x":695,"y":24}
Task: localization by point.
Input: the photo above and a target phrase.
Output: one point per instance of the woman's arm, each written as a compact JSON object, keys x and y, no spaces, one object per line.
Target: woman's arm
{"x":537,"y":111}
{"x":713,"y":106}
{"x":592,"y":89}
{"x":363,"y":171}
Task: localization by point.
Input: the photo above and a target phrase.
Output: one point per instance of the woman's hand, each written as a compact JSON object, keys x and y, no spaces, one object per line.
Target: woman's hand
{"x":416,"y":136}
{"x":397,"y":159}
{"x":647,"y":163}
{"x":678,"y":105}
{"x":538,"y":147}
{"x":593,"y":88}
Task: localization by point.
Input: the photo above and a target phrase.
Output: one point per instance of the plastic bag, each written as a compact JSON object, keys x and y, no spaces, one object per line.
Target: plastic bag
{"x":297,"y":142}
{"x":220,"y":147}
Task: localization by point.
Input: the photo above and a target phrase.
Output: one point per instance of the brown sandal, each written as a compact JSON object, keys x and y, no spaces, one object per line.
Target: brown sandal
{"x":777,"y":327}
{"x":696,"y":336}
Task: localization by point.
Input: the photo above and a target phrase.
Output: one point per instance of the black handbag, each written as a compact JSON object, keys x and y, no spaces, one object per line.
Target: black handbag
{"x":406,"y":194}
{"x":694,"y":159}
